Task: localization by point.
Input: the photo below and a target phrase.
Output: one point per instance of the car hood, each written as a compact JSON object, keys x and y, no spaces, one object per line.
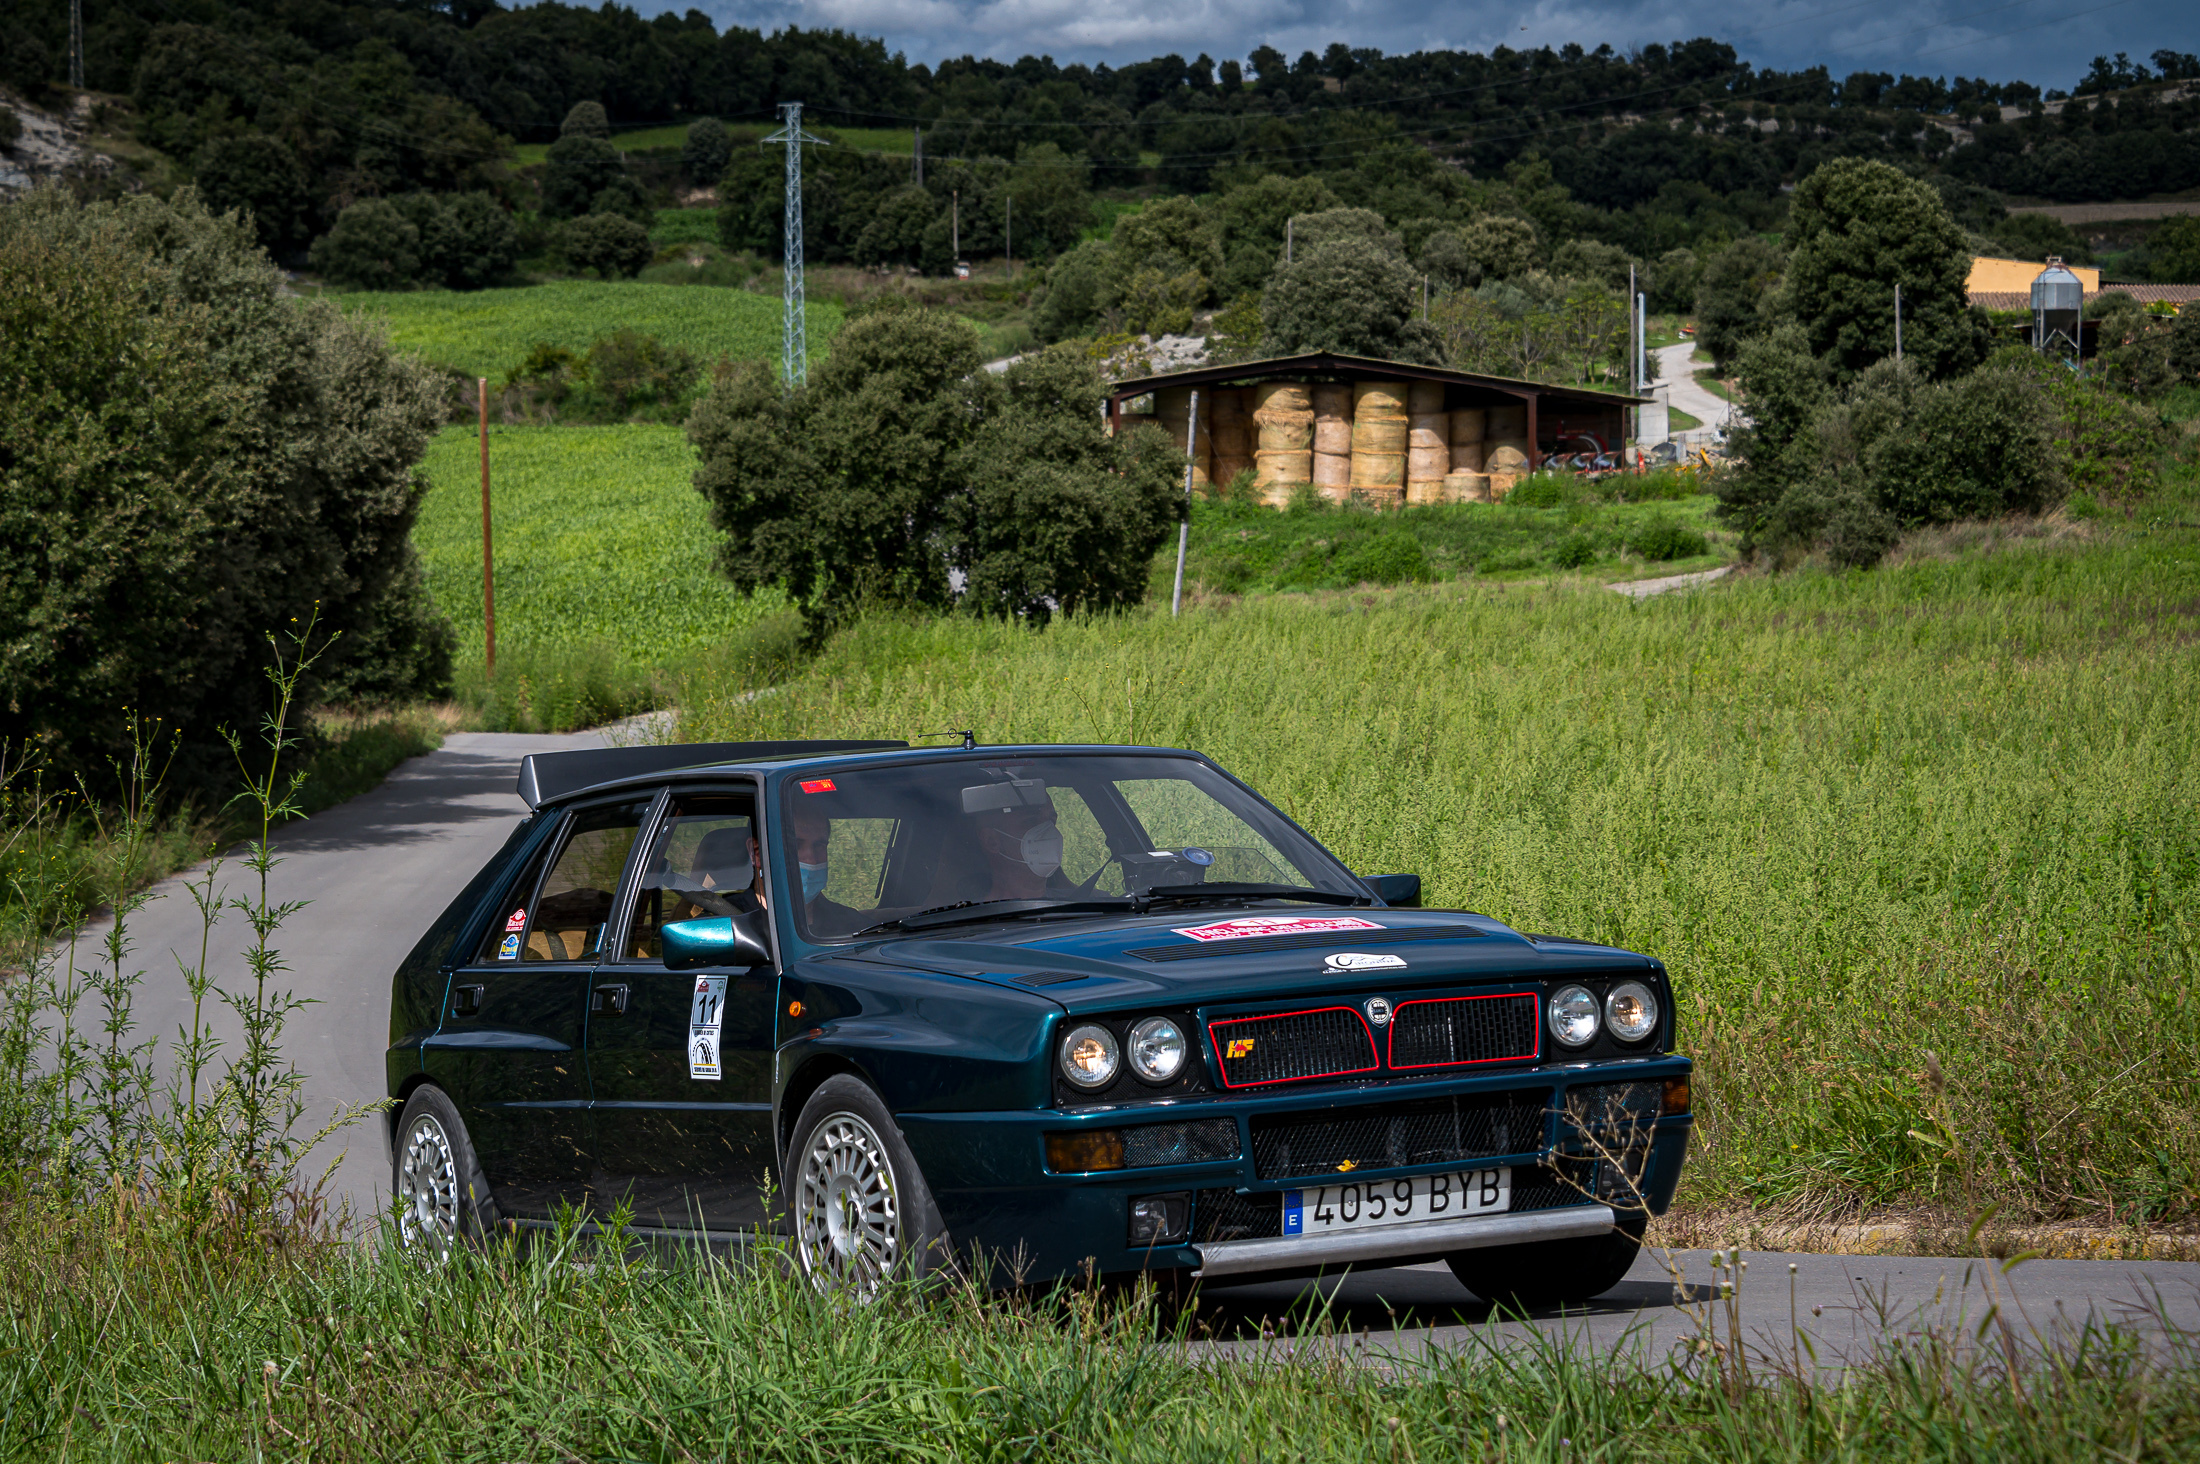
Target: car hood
{"x":1211,"y":956}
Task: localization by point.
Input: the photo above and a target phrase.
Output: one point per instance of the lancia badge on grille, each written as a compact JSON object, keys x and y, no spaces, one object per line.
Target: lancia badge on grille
{"x":1362,"y":961}
{"x":1378,"y":1011}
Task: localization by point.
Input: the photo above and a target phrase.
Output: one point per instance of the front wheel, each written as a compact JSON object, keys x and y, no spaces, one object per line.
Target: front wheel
{"x":441,"y":1193}
{"x":1548,"y":1273}
{"x":861,"y":1211}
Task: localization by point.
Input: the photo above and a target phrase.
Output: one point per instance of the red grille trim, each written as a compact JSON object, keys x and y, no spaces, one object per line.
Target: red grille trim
{"x":1533,"y":1054}
{"x":1222,"y":1064}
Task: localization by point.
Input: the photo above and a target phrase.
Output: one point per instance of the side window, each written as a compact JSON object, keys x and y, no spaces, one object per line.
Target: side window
{"x":502,"y":940}
{"x":700,"y":864}
{"x":574,"y":906}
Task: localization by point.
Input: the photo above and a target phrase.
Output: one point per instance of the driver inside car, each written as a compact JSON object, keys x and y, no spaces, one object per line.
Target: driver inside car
{"x":1022,"y":846}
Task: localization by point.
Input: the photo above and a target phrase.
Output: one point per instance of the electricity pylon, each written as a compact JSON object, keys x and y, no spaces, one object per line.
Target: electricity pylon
{"x":794,"y":366}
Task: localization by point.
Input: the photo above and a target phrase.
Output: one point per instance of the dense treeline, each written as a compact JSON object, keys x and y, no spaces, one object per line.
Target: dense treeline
{"x":297,"y":109}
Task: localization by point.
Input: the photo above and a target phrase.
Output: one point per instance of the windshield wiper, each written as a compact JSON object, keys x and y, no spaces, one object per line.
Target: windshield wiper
{"x":967,"y":910}
{"x":1228,"y":890}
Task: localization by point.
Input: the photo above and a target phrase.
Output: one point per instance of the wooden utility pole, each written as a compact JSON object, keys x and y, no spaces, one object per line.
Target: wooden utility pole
{"x":1184,"y":529}
{"x":488,"y":576}
{"x":1898,"y":325}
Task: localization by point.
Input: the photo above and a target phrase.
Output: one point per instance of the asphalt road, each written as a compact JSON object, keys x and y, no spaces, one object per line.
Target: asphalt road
{"x":374,"y":872}
{"x":1676,"y":368}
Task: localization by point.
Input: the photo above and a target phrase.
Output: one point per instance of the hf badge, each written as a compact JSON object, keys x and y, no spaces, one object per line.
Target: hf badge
{"x":704,"y":1018}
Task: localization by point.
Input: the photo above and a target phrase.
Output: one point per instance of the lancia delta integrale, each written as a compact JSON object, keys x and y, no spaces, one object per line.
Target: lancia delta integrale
{"x":1038,"y":1010}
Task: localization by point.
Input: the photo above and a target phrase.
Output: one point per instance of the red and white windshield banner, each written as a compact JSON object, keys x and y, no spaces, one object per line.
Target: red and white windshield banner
{"x":1253,"y":925}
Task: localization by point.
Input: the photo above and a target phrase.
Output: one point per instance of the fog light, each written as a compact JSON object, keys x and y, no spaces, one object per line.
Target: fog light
{"x":1677,"y":1097}
{"x":1084,"y":1150}
{"x":1160,"y":1219}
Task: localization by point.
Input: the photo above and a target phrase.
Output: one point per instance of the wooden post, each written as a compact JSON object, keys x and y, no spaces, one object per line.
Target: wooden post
{"x":1184,"y":529}
{"x":488,"y":576}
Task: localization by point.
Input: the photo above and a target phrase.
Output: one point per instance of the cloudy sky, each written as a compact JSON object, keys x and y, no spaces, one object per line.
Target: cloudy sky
{"x":2047,"y":42}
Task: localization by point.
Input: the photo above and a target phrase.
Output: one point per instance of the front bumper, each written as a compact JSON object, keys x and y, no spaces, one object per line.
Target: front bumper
{"x":1393,"y":1242}
{"x":989,"y":1175}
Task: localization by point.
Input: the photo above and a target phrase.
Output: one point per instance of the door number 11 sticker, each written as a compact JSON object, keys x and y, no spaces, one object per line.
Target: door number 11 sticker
{"x":704,"y":1018}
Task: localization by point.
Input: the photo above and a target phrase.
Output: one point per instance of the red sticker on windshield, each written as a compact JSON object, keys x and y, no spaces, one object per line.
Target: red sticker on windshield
{"x":1253,"y":925}
{"x":518,"y":920}
{"x":818,"y":785}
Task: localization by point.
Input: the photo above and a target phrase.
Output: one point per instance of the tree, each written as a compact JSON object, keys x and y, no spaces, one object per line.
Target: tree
{"x":611,"y":245}
{"x":577,"y":169}
{"x":1072,"y":296}
{"x":257,"y":459}
{"x":372,"y":247}
{"x":709,"y":147}
{"x":1731,"y":299}
{"x":260,"y":176}
{"x":468,"y":241}
{"x":2173,"y":252}
{"x":1352,"y":295}
{"x":1856,"y":230}
{"x":1502,"y":247}
{"x":901,"y":460}
{"x":2184,"y":345}
{"x":587,"y":119}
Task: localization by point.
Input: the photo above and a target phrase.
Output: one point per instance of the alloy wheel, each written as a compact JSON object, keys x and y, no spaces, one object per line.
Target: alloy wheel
{"x":427,"y":1189}
{"x":847,"y":1214}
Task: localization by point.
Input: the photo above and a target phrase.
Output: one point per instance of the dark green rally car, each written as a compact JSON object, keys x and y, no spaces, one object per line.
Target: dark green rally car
{"x":1033,"y":1010}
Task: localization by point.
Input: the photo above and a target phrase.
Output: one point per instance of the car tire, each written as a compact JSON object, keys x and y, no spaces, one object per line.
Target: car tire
{"x":1550,"y":1273}
{"x":859,"y":1208}
{"x":440,"y":1194}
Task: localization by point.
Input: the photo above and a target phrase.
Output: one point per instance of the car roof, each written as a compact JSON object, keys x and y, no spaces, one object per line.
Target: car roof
{"x":547,"y":778}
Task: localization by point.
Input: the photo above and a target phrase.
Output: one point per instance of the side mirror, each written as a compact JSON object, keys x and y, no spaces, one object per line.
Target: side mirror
{"x":728,"y":940}
{"x":1392,"y":889}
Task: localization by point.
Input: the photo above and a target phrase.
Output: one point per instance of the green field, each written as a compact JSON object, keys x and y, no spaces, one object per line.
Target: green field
{"x":1942,"y":807}
{"x":487,"y":332}
{"x":600,"y":541}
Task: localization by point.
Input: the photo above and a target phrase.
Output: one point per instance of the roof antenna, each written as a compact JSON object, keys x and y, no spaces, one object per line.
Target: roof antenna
{"x":970,"y":738}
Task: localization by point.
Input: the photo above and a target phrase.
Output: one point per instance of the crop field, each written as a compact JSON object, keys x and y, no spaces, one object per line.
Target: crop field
{"x":600,"y":542}
{"x":1919,"y":846}
{"x":487,"y":332}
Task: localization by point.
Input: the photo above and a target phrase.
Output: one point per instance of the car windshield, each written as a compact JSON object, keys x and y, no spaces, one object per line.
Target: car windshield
{"x":883,"y":844}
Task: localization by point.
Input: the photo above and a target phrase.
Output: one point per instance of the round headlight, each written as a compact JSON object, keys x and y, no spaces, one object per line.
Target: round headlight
{"x":1090,"y":1057}
{"x":1631,"y":1011}
{"x":1157,"y":1049}
{"x":1573,"y":1015}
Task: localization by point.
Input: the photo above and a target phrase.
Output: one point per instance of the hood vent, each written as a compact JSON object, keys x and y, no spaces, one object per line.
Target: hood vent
{"x":1193,"y":950}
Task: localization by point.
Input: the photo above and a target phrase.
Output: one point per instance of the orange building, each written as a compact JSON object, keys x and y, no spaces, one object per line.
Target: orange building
{"x":2015,"y":276}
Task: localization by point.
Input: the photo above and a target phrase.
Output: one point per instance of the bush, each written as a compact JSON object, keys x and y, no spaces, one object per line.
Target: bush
{"x":613,"y":246}
{"x":467,"y":240}
{"x":1664,"y":539}
{"x":1392,"y":558}
{"x":579,"y":166}
{"x":629,"y":368}
{"x":373,"y":247}
{"x":256,"y":460}
{"x":903,"y":460}
{"x":1576,"y":550}
{"x":586,"y":119}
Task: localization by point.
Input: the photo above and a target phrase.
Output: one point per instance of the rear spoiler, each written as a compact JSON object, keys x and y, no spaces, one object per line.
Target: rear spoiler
{"x":545,"y":777}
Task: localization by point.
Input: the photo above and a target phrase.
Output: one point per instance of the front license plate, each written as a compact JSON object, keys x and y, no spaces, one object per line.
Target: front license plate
{"x":1396,"y":1201}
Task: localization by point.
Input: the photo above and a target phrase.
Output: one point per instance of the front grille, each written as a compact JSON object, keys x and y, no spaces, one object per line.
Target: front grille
{"x":1458,"y":1030}
{"x":1180,"y":1143}
{"x":1194,"y":950}
{"x":1453,"y":1130}
{"x":1545,"y":1188}
{"x":1331,"y":1042}
{"x":1224,"y":1214}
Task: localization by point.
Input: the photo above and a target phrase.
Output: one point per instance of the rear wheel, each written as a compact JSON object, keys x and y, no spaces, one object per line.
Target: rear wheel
{"x":1550,"y":1273}
{"x":862,"y":1214}
{"x":441,"y":1193}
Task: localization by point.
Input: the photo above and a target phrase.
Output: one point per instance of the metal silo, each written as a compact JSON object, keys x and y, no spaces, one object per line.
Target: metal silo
{"x":2058,"y":297}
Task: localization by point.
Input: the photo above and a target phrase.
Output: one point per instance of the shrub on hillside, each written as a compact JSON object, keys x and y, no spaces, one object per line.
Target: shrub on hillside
{"x":586,"y":119}
{"x":1663,"y":539}
{"x":578,"y":167}
{"x":257,"y":460}
{"x":709,"y":147}
{"x":901,"y":461}
{"x":613,"y":246}
{"x":259,"y":175}
{"x":628,"y":367}
{"x":464,"y":241}
{"x":372,"y":247}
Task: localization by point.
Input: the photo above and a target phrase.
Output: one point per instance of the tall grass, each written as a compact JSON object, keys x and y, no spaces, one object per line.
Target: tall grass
{"x":1947,"y":808}
{"x":119,"y":1344}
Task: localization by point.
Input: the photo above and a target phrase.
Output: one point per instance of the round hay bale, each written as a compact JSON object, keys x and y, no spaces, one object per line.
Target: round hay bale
{"x":1378,"y":399}
{"x":1380,"y":497}
{"x":1466,"y":488}
{"x":1429,"y":429}
{"x":1284,"y":468}
{"x":1502,"y":484}
{"x":1427,"y":464}
{"x":1507,"y":457}
{"x":1333,"y":419}
{"x":1332,"y":473}
{"x":1231,"y":404}
{"x":1332,"y":399}
{"x":1466,"y":457}
{"x":1425,"y":396}
{"x":1288,"y":436}
{"x":1384,"y":470}
{"x":1286,"y":397}
{"x":1425,"y":490}
{"x":1505,"y":422}
{"x":1468,"y":424}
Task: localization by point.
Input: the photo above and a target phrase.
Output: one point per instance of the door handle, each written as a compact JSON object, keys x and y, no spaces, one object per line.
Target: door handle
{"x":610,"y":1000}
{"x":466,"y":1000}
